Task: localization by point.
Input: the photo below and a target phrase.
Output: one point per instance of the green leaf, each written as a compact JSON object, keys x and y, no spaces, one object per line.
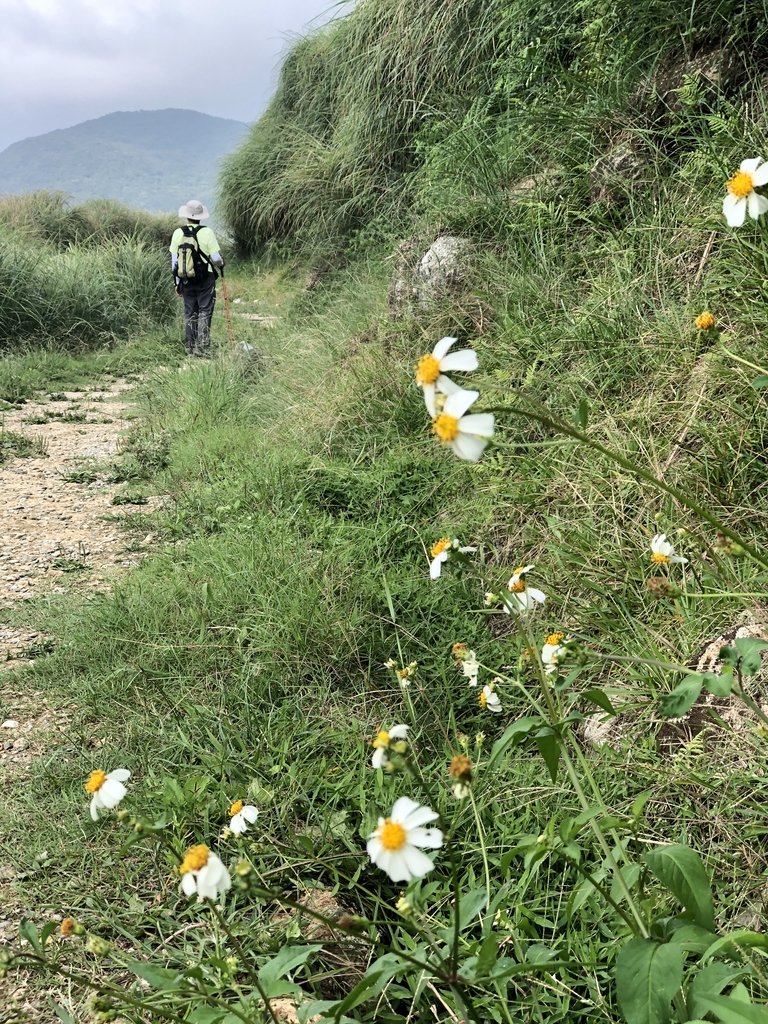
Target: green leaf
{"x":29,"y":932}
{"x":64,"y":1015}
{"x":582,"y":413}
{"x":732,"y":1011}
{"x":691,"y":938}
{"x":549,"y":748}
{"x":511,"y":736}
{"x":599,"y":697}
{"x":710,"y":981}
{"x":741,"y":939}
{"x":682,"y":698}
{"x":160,"y":978}
{"x":720,"y":686}
{"x":370,"y":985}
{"x":487,"y":955}
{"x":749,"y":650}
{"x":680,"y":870}
{"x":470,"y":906}
{"x":761,"y":381}
{"x":286,"y":960}
{"x":648,"y":975}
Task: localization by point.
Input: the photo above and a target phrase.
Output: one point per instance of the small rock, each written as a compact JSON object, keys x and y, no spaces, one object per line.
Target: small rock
{"x":10,"y":723}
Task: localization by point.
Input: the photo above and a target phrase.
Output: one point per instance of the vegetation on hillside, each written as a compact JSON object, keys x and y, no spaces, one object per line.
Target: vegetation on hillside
{"x":80,"y":275}
{"x":289,"y":620}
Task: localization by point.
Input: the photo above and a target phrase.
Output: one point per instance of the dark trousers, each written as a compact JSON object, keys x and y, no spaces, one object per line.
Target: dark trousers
{"x":199,"y":300}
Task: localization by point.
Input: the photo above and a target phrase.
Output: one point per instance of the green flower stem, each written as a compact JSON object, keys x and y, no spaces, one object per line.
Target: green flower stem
{"x":602,"y":890}
{"x":253,"y":975}
{"x":549,"y":700}
{"x":633,"y":467}
{"x":744,"y":362}
{"x":483,"y":849}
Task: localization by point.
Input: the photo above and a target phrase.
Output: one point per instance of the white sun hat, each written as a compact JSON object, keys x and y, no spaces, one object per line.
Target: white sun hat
{"x":193,"y":210}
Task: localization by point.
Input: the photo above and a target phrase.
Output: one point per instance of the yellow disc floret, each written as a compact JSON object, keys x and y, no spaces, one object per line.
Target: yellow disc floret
{"x":704,"y":321}
{"x":393,"y":836}
{"x":427,"y":370}
{"x":659,"y":559}
{"x":446,"y":427}
{"x":195,"y":858}
{"x":740,"y":184}
{"x":555,"y":638}
{"x":439,"y":546}
{"x":95,"y":781}
{"x":517,"y":587}
{"x":236,"y":807}
{"x":382,"y":740}
{"x":482,"y":699}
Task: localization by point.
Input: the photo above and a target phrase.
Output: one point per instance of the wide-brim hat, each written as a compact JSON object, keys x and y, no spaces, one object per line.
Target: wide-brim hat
{"x":193,"y":210}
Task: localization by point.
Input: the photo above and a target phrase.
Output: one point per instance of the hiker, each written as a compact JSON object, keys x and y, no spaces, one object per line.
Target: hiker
{"x":196,"y":263}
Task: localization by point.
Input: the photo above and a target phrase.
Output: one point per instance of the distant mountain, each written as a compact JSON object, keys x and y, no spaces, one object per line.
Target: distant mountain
{"x":153,"y":160}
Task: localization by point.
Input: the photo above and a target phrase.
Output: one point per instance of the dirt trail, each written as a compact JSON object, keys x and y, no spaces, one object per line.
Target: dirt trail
{"x":58,"y":534}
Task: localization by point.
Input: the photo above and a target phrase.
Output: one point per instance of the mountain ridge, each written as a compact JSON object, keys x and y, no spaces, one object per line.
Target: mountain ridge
{"x":148,"y":159}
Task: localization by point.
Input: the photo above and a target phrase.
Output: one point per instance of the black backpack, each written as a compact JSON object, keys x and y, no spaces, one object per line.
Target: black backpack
{"x":193,"y":263}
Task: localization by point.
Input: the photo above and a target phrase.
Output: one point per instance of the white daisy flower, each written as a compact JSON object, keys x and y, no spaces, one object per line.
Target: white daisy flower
{"x":552,"y":652}
{"x":467,"y":435}
{"x":488,"y":700}
{"x":522,"y":598}
{"x":662,"y":552}
{"x":242,"y":815}
{"x":742,"y":198}
{"x":394,"y":846}
{"x":203,"y":873}
{"x":431,"y":370}
{"x":441,"y":551}
{"x":470,"y":666}
{"x":383,"y":741}
{"x":107,"y":790}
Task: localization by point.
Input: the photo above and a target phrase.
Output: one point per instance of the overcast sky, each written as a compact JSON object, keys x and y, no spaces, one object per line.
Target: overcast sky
{"x":65,"y":61}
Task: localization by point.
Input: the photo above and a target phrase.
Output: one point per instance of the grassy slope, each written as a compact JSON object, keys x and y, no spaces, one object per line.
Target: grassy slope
{"x":246,"y":656}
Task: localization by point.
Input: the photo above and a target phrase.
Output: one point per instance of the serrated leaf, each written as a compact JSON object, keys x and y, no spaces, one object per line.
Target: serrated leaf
{"x":682,"y":698}
{"x":749,"y":650}
{"x":681,"y":871}
{"x":720,"y":686}
{"x":648,"y":976}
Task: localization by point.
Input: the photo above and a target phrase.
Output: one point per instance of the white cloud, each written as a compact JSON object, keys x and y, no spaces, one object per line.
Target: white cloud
{"x":63,"y":61}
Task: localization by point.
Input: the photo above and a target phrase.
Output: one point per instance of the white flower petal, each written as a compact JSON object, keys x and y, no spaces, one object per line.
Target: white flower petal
{"x":403,"y":806}
{"x":734,"y":210}
{"x":429,"y":399}
{"x":457,"y":403}
{"x":394,"y":864}
{"x":760,"y":175}
{"x":431,"y":838}
{"x":750,"y":164}
{"x":417,"y":863}
{"x":463,"y":362}
{"x":250,"y":813}
{"x":469,"y":448}
{"x":442,"y":347}
{"x":480,"y":423}
{"x":536,"y":595}
{"x":111,"y":793}
{"x":756,"y":205}
{"x":119,"y":775}
{"x":398,"y":732}
{"x":95,"y":806}
{"x":416,"y":817}
{"x":436,"y":565}
{"x":379,"y":758}
{"x":374,"y":847}
{"x":446,"y":386}
{"x":188,"y":884}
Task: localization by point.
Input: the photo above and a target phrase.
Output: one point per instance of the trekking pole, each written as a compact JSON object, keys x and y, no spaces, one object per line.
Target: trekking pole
{"x":230,"y":329}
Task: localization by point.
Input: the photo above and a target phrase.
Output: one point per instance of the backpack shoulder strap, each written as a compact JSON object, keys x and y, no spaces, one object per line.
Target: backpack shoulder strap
{"x":194,"y":231}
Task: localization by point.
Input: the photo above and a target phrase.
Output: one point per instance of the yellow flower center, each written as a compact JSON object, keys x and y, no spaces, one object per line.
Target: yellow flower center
{"x":439,"y":546}
{"x":482,"y":698}
{"x":67,"y":926}
{"x":392,"y":836}
{"x":427,"y":370}
{"x":382,"y":740}
{"x":555,"y":638}
{"x":236,"y":807}
{"x":446,"y":427}
{"x":705,"y":321}
{"x":740,"y":184}
{"x":659,"y":559}
{"x":95,"y":781}
{"x":195,"y":858}
{"x":460,"y":767}
{"x":518,"y":587}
